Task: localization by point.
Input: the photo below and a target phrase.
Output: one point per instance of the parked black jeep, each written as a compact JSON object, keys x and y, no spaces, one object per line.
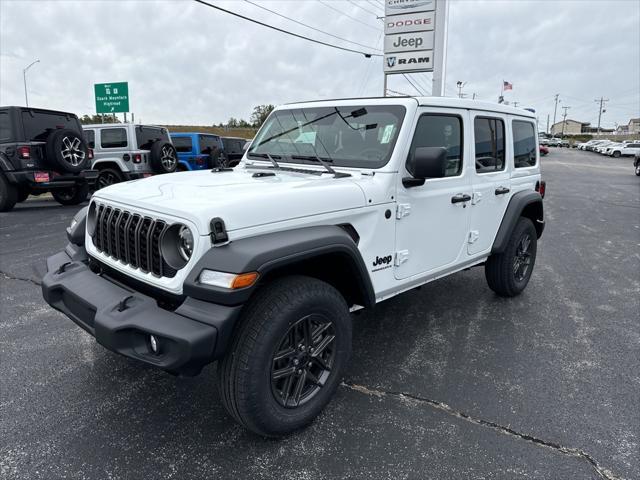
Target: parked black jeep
{"x":40,"y":151}
{"x":233,"y":149}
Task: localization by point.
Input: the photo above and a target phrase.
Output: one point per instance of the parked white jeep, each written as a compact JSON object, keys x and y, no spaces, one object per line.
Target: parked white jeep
{"x":336,"y":206}
{"x":124,"y":151}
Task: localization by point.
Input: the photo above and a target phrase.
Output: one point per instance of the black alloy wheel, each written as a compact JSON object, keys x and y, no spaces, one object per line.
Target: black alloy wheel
{"x":302,"y":363}
{"x":522,"y":258}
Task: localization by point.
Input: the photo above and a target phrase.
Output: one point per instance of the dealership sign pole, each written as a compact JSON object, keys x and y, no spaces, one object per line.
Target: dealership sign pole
{"x":416,"y":39}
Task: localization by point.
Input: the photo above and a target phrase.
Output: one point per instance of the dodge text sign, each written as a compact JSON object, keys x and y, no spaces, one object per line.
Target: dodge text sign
{"x":407,"y":42}
{"x":408,"y":62}
{"x":413,"y":22}
{"x":112,"y":97}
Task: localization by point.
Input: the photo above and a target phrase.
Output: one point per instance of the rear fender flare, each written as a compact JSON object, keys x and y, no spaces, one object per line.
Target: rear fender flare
{"x":526,"y":203}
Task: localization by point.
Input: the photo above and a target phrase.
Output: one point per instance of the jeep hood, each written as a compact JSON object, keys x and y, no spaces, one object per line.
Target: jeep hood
{"x":240,"y":197}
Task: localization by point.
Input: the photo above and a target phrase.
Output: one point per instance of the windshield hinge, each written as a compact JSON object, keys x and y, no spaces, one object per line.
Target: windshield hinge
{"x":401,"y":257}
{"x":403,"y":210}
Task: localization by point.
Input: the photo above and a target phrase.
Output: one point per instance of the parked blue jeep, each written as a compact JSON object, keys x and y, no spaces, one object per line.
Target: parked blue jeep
{"x":198,"y":151}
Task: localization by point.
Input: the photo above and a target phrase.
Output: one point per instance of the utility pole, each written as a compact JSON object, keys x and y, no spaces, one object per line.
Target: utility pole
{"x":555,"y":109}
{"x":564,"y":120}
{"x":601,"y":110}
{"x":547,"y":124}
{"x":460,"y":84}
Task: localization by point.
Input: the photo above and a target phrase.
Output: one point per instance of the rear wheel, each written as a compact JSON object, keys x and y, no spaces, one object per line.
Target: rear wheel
{"x":71,"y":195}
{"x":8,"y":194}
{"x":638,"y":169}
{"x":287,"y":356}
{"x":107,"y":177}
{"x":508,"y":273}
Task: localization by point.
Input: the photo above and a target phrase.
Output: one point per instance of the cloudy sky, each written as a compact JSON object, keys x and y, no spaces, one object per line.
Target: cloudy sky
{"x":189,"y":64}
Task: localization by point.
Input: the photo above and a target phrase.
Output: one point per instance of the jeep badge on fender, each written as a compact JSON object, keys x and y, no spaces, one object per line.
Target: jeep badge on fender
{"x":259,"y":267}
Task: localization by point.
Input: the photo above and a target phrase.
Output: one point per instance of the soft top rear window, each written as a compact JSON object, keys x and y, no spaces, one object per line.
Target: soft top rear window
{"x":146,"y":136}
{"x":38,"y":125}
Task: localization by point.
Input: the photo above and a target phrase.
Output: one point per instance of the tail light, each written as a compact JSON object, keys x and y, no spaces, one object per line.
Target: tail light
{"x":24,"y":152}
{"x":91,"y":154}
{"x":137,"y":158}
{"x":541,"y":187}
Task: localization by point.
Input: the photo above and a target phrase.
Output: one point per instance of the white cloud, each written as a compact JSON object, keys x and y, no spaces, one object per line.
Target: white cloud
{"x":186,"y":63}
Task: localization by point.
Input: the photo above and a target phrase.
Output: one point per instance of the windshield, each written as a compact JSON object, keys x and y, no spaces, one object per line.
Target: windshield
{"x":353,"y":136}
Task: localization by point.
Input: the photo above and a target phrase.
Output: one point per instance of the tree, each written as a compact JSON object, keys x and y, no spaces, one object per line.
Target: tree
{"x":232,"y":123}
{"x":260,"y":114}
{"x":90,"y":119}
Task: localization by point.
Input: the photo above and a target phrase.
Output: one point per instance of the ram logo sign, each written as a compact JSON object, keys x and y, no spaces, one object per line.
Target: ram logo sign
{"x":408,"y":62}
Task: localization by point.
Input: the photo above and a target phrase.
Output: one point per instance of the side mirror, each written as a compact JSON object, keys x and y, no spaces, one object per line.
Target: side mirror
{"x":428,"y":162}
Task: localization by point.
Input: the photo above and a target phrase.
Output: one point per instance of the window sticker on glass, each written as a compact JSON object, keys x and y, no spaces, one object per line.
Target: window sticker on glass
{"x":387,"y":133}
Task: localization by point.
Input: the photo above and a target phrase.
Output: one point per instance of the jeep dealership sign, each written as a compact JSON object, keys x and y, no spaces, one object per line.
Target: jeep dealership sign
{"x":410,"y":30}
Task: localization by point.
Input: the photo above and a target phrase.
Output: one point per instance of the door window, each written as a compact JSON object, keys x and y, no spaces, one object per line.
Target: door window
{"x":490,"y":146}
{"x":5,"y":126}
{"x":439,"y":130}
{"x":113,"y":138}
{"x":146,"y":136}
{"x":524,"y":144}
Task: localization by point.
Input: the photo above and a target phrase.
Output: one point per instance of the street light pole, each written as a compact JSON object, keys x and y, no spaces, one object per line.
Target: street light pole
{"x":24,"y":78}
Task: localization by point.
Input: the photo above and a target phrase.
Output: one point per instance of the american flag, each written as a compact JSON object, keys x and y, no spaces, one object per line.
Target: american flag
{"x":507,"y":85}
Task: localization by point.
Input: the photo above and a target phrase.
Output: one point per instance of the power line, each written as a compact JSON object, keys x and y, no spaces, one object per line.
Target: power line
{"x":346,"y":15}
{"x":366,"y":54}
{"x":362,"y":8}
{"x":309,"y":26}
{"x":376,"y":5}
{"x":412,"y":84}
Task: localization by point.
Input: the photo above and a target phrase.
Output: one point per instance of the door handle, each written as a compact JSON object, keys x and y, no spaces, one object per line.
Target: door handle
{"x":502,"y":190}
{"x":461,"y":197}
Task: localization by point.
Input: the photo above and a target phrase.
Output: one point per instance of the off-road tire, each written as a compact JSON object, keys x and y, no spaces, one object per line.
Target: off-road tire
{"x":107,"y":177}
{"x":23,"y":194}
{"x":71,"y":195}
{"x":67,"y":151}
{"x":8,"y":194}
{"x":499,"y":269}
{"x":163,"y":157}
{"x":245,"y":373}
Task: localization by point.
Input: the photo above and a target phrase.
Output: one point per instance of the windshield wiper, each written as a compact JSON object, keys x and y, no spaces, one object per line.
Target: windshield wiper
{"x":267,"y":156}
{"x":326,"y":166}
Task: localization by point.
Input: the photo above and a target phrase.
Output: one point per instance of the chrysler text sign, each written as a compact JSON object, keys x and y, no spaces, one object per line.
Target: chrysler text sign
{"x":407,"y":42}
{"x":408,"y":61}
{"x":398,"y":7}
{"x":413,"y":22}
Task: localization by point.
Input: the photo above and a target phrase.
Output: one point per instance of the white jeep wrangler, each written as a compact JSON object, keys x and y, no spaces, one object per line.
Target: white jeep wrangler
{"x":336,"y":206}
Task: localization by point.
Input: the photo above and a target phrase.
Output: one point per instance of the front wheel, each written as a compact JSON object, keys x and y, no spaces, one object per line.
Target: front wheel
{"x":616,"y":154}
{"x":508,"y":273}
{"x":71,"y":195}
{"x":287,"y":356}
{"x":638,"y":170}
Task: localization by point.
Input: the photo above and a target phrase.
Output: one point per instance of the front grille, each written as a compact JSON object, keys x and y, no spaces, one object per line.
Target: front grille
{"x":132,"y":239}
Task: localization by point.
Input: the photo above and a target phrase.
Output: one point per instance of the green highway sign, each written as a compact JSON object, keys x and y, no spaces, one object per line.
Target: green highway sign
{"x":112,"y":97}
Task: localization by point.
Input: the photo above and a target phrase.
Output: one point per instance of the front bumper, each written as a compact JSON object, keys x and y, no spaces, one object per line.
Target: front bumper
{"x":122,"y":319}
{"x":26,"y":177}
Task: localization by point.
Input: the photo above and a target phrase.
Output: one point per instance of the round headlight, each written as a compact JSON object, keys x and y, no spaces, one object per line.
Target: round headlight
{"x":185,"y":242}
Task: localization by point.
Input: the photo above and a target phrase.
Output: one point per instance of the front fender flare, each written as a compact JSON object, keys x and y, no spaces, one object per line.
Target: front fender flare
{"x":269,"y":252}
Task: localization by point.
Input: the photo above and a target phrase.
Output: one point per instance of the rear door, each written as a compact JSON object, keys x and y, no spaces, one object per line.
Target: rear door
{"x":490,"y":177}
{"x":185,"y":149}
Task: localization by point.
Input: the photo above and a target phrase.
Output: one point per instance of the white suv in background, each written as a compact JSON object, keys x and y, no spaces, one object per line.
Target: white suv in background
{"x":124,"y":151}
{"x":625,"y":149}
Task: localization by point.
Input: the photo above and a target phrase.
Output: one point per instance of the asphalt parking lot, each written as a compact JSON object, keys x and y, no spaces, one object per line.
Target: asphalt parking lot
{"x":448,"y":381}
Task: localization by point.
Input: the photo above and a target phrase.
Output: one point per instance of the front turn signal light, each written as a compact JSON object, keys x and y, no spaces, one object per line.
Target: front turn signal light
{"x":231,"y":281}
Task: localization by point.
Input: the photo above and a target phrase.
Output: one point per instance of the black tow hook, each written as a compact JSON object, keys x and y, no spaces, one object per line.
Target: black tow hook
{"x":122,"y":306}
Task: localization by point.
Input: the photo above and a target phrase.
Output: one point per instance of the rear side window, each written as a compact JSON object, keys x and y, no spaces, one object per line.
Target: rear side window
{"x":146,"y":136}
{"x":524,"y":144}
{"x":38,"y":125}
{"x":182,"y":144}
{"x":90,"y":138}
{"x":489,"y":141}
{"x":113,"y":138}
{"x":5,"y":126}
{"x":439,"y":131}
{"x":209,"y":143}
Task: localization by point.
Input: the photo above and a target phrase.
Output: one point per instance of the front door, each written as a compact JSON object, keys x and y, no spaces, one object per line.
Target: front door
{"x":490,"y":177}
{"x":433,"y":219}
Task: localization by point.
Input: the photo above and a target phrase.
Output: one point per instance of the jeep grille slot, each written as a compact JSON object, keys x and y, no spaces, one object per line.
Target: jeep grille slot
{"x":132,"y":239}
